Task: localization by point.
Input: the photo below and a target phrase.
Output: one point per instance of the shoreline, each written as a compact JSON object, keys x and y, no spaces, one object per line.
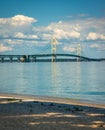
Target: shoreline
{"x":68,"y":101}
{"x":27,"y":112}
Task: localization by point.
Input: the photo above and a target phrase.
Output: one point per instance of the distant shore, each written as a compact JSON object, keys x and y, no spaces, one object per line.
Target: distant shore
{"x":22,"y":112}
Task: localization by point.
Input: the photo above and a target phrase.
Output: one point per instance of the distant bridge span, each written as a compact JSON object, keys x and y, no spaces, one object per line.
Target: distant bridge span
{"x":61,"y":55}
{"x":42,"y":57}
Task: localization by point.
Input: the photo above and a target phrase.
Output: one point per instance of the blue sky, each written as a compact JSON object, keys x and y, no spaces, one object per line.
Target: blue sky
{"x":27,"y":26}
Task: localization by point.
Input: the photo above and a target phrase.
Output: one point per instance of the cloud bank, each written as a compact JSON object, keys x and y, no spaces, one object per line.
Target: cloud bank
{"x":4,"y":48}
{"x":21,"y":31}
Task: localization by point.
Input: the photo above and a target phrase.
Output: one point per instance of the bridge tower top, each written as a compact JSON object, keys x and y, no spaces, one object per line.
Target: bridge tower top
{"x":79,"y":50}
{"x":54,"y":48}
{"x":54,"y":42}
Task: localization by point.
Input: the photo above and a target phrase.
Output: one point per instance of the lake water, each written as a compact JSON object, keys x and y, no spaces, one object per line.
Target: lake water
{"x":77,"y":80}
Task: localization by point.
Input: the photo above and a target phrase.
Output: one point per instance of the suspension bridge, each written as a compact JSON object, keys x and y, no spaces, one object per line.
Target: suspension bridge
{"x":53,"y":56}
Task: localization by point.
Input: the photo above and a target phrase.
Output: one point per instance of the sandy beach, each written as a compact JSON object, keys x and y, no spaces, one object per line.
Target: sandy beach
{"x":20,"y":112}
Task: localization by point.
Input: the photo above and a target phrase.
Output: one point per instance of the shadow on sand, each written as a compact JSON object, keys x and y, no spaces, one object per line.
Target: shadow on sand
{"x":16,"y":114}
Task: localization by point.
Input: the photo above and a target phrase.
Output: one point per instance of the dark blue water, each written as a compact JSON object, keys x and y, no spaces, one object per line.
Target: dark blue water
{"x":78,"y":80}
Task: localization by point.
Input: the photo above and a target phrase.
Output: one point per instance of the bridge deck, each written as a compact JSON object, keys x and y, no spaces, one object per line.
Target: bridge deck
{"x":58,"y":57}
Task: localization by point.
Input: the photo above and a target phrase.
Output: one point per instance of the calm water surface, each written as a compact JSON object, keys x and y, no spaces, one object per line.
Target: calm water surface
{"x":78,"y":80}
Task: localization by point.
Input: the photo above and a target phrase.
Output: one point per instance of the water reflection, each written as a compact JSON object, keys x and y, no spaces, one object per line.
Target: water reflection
{"x":78,"y":75}
{"x":54,"y":73}
{"x":84,"y":80}
{"x":54,"y":78}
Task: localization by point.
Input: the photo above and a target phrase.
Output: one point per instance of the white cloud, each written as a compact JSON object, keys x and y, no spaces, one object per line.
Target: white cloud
{"x":61,"y":34}
{"x":22,"y":20}
{"x":22,"y":35}
{"x":65,"y":30}
{"x":95,"y":36}
{"x":94,"y":45}
{"x":92,"y":36}
{"x":70,"y":49}
{"x":13,"y":41}
{"x":74,"y":34}
{"x":4,"y":48}
{"x":19,"y":23}
{"x":75,"y":29}
{"x":18,"y":20}
{"x":60,"y":30}
{"x":19,"y":35}
{"x":98,"y":46}
{"x":47,"y":36}
{"x":32,"y":36}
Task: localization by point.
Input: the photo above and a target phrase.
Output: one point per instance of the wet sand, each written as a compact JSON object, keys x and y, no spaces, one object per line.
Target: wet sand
{"x":22,"y":112}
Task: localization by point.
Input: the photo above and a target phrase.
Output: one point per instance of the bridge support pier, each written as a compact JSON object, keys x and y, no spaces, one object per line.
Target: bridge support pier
{"x":53,"y":57}
{"x":11,"y":59}
{"x":2,"y":59}
{"x":27,"y":58}
{"x":19,"y":59}
{"x":34,"y":59}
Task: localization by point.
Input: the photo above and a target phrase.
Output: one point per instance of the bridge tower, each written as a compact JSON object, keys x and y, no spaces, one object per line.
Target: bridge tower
{"x":53,"y":49}
{"x":79,"y":50}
